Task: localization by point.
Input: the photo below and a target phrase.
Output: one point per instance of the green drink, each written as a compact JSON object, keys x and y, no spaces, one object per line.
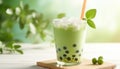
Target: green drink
{"x":69,"y":39}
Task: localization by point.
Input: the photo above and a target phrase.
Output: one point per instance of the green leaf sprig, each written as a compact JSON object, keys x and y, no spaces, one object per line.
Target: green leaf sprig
{"x":90,"y":14}
{"x":26,"y":17}
{"x":10,"y":47}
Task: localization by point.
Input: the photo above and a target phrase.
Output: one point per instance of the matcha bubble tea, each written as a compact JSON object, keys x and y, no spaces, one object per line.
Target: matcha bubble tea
{"x":69,"y":35}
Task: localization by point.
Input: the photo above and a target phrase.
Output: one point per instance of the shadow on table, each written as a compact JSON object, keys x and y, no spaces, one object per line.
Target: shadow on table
{"x":31,"y":67}
{"x":35,"y":67}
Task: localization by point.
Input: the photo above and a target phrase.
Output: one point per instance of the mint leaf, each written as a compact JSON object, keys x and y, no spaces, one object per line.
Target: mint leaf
{"x":61,"y":15}
{"x":91,"y":23}
{"x":17,"y":46}
{"x":20,"y":51}
{"x":90,"y":14}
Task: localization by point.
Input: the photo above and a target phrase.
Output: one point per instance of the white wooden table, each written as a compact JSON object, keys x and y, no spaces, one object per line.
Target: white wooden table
{"x":37,"y":52}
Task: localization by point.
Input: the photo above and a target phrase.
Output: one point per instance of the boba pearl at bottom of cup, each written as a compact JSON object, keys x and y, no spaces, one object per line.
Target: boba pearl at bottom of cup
{"x":68,"y":57}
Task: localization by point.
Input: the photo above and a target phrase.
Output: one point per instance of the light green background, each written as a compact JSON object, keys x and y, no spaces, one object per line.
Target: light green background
{"x":107,"y":18}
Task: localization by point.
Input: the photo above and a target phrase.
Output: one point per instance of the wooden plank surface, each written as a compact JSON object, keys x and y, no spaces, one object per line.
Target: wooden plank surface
{"x":86,"y":64}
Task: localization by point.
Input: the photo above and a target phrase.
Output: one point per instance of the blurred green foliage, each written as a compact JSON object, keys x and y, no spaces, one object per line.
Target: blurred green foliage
{"x":33,"y":22}
{"x":10,"y":47}
{"x":13,"y":27}
{"x":21,"y":23}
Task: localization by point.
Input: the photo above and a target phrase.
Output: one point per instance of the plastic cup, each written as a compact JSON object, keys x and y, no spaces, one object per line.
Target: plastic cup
{"x":69,"y":44}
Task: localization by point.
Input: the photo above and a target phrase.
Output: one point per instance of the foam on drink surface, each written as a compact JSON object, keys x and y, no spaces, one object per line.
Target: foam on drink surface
{"x":66,"y":23}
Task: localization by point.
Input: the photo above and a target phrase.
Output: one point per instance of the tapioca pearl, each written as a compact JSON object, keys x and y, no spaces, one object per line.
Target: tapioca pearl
{"x":59,"y":49}
{"x":77,"y":51}
{"x":73,"y":55}
{"x":60,"y":58}
{"x":76,"y":59}
{"x":64,"y":47}
{"x":67,"y":51}
{"x":64,"y":55}
{"x":79,"y":54}
{"x":68,"y":58}
{"x":74,"y":45}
